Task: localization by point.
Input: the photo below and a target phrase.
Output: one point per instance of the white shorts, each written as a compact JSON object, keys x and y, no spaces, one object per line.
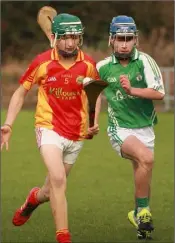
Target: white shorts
{"x":70,"y":148}
{"x":117,"y":136}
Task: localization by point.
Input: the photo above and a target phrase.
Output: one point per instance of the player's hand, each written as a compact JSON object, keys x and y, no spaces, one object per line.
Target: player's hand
{"x":93,"y":130}
{"x":6,"y":132}
{"x":125,"y":83}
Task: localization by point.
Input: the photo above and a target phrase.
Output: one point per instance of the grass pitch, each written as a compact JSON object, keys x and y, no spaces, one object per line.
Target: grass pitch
{"x":100,"y":188}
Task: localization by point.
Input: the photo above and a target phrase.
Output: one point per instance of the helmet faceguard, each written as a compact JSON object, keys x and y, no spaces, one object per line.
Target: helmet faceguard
{"x":66,"y":24}
{"x":123,"y":26}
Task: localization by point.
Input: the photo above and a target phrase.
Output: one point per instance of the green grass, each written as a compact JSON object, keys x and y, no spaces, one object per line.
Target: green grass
{"x":100,"y":188}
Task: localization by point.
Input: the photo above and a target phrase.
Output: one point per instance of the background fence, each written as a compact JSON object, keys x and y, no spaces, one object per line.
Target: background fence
{"x":168,"y":76}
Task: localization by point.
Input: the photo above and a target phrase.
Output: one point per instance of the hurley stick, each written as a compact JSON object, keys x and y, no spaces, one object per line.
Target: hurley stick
{"x":44,"y":19}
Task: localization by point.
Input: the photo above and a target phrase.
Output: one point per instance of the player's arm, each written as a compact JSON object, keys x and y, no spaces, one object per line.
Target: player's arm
{"x":155,"y":88}
{"x":14,"y":108}
{"x":98,"y":109}
{"x":17,"y":100}
{"x":153,"y":77}
{"x":15,"y":105}
{"x":28,"y":79}
{"x":147,"y":93}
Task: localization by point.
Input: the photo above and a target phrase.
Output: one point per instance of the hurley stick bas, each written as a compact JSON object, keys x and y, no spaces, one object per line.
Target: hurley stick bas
{"x":44,"y":19}
{"x":93,"y":90}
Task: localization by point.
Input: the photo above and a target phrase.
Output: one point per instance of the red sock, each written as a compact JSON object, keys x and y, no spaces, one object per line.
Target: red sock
{"x":63,"y":236}
{"x":34,"y":199}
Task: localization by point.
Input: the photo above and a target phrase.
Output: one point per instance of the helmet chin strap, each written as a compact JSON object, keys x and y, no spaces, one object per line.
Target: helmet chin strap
{"x":68,"y":55}
{"x":123,"y":56}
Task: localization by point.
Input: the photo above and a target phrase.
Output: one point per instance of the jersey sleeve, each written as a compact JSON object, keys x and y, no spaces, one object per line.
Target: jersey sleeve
{"x":152,"y":73}
{"x":32,"y":75}
{"x":102,"y":68}
{"x":92,"y":72}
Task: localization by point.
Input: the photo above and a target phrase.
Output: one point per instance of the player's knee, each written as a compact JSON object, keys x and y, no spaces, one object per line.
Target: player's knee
{"x":147,"y":160}
{"x":58,"y":180}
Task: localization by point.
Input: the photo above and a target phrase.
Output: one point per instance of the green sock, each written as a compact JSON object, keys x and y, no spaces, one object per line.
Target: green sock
{"x":141,"y":203}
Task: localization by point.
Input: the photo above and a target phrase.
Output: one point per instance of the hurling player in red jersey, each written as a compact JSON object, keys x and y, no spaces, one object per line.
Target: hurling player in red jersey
{"x":61,"y":118}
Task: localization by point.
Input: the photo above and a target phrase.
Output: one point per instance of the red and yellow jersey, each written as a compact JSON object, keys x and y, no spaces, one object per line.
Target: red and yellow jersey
{"x":62,"y":103}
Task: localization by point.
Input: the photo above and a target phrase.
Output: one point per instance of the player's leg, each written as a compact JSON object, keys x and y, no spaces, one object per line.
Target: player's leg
{"x":135,"y":168}
{"x":132,"y":215}
{"x":69,"y":157}
{"x":37,"y":195}
{"x":43,"y":193}
{"x":132,"y":148}
{"x":123,"y":141}
{"x":57,"y":171}
{"x":53,"y":158}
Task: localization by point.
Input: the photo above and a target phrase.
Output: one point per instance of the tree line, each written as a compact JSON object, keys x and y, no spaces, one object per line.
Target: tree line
{"x":21,"y":35}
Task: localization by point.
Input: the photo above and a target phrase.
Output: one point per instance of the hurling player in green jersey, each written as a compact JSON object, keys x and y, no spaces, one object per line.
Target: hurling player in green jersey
{"x":134,"y":81}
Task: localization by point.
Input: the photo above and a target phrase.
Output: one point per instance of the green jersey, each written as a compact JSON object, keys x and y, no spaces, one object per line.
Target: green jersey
{"x":125,"y":110}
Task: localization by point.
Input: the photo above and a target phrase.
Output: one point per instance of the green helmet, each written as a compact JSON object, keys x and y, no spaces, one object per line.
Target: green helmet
{"x":66,"y":24}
